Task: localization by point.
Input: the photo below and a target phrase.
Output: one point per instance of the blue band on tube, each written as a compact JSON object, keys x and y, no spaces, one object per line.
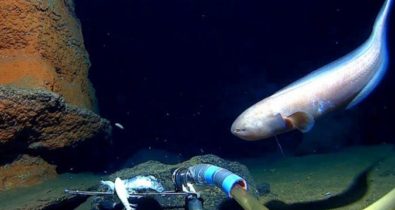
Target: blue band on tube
{"x":209,"y":174}
{"x":229,"y":182}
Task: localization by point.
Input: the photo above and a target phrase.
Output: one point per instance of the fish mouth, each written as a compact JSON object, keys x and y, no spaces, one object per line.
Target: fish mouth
{"x":244,"y":133}
{"x":240,"y":129}
{"x":240,"y":132}
{"x":235,"y":129}
{"x":246,"y":137}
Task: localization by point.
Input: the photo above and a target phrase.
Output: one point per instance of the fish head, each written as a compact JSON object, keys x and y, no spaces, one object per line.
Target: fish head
{"x":258,"y":123}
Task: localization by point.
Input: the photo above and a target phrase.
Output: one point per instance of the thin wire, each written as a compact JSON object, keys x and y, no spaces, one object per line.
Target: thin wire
{"x":279,"y":146}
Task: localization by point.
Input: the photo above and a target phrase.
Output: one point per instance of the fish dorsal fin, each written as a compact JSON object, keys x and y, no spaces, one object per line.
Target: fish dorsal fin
{"x":278,"y":122}
{"x":301,"y":121}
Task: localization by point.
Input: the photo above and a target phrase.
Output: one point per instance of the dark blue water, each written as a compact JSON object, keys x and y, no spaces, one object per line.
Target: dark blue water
{"x":176,"y":74}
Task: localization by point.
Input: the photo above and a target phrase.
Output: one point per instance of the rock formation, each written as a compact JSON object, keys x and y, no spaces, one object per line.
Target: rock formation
{"x":41,"y":46}
{"x":30,"y":170}
{"x":38,"y":119}
{"x":47,"y":103}
{"x":40,"y":123}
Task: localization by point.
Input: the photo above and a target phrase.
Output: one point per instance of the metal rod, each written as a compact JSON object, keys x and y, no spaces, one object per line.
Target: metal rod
{"x":80,"y":192}
{"x":163,"y":193}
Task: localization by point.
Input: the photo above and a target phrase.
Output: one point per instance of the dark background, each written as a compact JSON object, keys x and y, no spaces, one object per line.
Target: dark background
{"x":177,"y":73}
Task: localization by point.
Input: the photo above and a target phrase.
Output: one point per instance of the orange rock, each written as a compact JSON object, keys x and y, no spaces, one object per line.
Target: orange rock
{"x":25,"y":171}
{"x":41,"y":46}
{"x":41,"y":119}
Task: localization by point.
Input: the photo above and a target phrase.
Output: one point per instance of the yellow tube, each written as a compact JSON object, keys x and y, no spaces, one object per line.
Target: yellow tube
{"x":387,"y":202}
{"x":245,"y":199}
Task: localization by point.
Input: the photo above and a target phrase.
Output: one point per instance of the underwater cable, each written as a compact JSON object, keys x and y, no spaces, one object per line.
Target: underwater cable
{"x":387,"y":202}
{"x":245,"y":199}
{"x":233,"y":185}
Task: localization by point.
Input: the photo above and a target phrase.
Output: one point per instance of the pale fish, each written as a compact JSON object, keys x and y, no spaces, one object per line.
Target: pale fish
{"x":122,"y":193}
{"x":342,"y":83}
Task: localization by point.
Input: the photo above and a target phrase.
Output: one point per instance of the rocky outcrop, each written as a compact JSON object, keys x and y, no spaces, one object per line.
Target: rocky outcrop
{"x":38,"y":119}
{"x":47,"y":103}
{"x":41,"y":123}
{"x":41,"y":46}
{"x":25,"y":171}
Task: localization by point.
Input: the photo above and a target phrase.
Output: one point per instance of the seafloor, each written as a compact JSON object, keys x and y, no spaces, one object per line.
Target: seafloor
{"x":312,"y":180}
{"x":350,"y":179}
{"x":47,"y":194}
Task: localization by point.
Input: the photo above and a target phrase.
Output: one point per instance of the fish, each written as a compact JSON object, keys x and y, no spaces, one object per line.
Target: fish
{"x":136,"y":184}
{"x":342,"y":83}
{"x":143,"y":183}
{"x":122,"y":193}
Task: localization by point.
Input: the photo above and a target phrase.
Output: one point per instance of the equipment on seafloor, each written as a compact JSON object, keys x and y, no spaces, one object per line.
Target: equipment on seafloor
{"x":184,"y":179}
{"x":130,"y":190}
{"x":387,"y":202}
{"x":233,"y":185}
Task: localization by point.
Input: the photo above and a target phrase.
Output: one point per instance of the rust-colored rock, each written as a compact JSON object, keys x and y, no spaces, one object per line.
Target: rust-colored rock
{"x":25,"y":171}
{"x":46,"y":99}
{"x":41,"y":46}
{"x":38,"y":119}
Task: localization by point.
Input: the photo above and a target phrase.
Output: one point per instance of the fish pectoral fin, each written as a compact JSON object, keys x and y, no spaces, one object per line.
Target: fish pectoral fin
{"x":300,"y":120}
{"x":278,"y":122}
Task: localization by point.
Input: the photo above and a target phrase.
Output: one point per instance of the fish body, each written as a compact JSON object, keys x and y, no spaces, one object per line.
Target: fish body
{"x":122,"y":193}
{"x":139,"y":183}
{"x":342,"y":83}
{"x":136,"y":184}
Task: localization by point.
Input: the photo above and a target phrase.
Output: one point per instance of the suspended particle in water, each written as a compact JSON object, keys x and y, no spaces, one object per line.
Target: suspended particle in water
{"x":119,"y":125}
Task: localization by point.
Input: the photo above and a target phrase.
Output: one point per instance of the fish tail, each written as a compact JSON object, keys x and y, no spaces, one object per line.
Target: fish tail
{"x":379,"y":27}
{"x":379,"y":35}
